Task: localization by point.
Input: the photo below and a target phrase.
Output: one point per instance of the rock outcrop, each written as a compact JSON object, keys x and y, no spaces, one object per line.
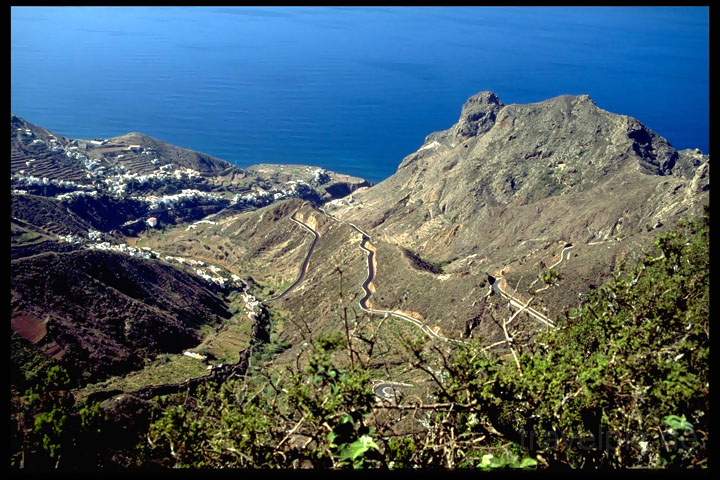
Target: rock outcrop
{"x":557,"y":157}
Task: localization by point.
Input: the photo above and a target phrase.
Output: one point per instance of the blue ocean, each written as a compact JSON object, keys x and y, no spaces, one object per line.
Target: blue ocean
{"x":349,"y":89}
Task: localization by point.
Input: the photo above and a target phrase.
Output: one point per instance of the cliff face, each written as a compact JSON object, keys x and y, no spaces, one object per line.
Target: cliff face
{"x":526,"y":170}
{"x":477,"y":117}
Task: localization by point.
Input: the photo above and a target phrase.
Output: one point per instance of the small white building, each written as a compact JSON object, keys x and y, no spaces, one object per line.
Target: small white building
{"x":152,"y":222}
{"x":197,"y":356}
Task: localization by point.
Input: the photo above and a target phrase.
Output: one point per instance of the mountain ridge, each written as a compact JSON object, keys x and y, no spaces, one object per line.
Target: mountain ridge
{"x":518,"y":154}
{"x":509,"y":192}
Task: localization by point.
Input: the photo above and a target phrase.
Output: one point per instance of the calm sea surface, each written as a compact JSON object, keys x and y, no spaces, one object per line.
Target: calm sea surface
{"x":350,"y":89}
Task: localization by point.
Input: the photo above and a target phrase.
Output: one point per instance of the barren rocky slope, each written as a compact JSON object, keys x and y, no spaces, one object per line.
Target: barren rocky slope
{"x":508,"y":186}
{"x":539,"y":164}
{"x":511,"y":191}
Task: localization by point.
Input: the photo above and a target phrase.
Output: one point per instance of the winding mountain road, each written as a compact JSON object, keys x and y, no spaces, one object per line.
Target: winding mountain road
{"x":371,"y":267}
{"x":562,"y":254}
{"x":386,"y":390}
{"x":372,"y":270}
{"x":514,"y":302}
{"x":363,"y":303}
{"x":567,"y":247}
{"x":306,"y":262}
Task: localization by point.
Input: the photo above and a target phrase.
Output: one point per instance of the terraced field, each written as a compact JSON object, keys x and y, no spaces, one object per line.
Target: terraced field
{"x":44,"y":163}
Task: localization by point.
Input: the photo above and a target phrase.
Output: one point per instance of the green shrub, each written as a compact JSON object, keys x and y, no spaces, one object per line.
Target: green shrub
{"x":621,"y":383}
{"x":596,"y":391}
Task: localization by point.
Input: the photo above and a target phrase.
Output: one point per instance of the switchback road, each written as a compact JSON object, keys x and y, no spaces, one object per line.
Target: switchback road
{"x":386,"y":390}
{"x":371,"y":268}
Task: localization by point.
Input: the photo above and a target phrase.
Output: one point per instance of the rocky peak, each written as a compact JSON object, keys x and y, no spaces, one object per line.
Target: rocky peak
{"x":515,"y":158}
{"x":477,"y":116}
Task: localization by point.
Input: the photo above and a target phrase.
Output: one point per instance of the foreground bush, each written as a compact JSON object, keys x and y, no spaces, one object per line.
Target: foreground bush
{"x":622,"y":382}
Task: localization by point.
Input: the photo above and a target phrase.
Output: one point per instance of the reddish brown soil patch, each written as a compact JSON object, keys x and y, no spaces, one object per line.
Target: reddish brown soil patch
{"x":28,"y":326}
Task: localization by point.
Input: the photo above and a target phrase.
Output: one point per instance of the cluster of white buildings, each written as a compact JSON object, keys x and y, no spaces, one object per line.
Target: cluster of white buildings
{"x":118,"y":184}
{"x":71,"y":239}
{"x":194,"y":225}
{"x":216,"y":275}
{"x":184,"y":261}
{"x":75,"y":194}
{"x":294,"y":188}
{"x":33,"y":181}
{"x":94,"y":235}
{"x":260,"y":197}
{"x":320,"y":177}
{"x":124,"y":249}
{"x":72,"y":152}
{"x":252,"y":305}
{"x":209,"y":277}
{"x":113,"y":178}
{"x":212,"y":273}
{"x":209,"y":273}
{"x":157,"y":202}
{"x":54,"y":146}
